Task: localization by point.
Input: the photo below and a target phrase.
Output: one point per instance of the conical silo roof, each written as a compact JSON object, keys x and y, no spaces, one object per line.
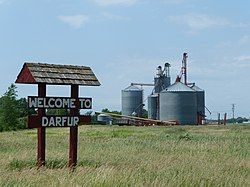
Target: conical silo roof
{"x":178,"y":87}
{"x":133,"y":88}
{"x":197,"y":89}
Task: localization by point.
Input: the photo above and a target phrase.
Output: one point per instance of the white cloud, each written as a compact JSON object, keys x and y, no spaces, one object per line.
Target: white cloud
{"x":176,"y":1}
{"x":2,"y":2}
{"x":233,"y":63}
{"x":242,"y":58}
{"x":110,"y":16}
{"x":115,"y":2}
{"x":196,"y":22}
{"x":75,"y":21}
{"x":244,"y":39}
{"x":132,"y":2}
{"x":5,"y":2}
{"x":240,"y":25}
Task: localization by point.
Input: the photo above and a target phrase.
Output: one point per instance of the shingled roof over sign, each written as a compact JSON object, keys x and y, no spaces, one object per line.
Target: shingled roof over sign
{"x":35,"y":73}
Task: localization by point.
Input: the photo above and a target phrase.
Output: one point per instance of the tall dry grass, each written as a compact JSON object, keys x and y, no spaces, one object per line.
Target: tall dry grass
{"x":131,"y":156}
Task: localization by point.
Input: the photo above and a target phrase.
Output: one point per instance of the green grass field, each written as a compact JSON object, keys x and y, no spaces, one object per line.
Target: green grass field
{"x":131,"y":156}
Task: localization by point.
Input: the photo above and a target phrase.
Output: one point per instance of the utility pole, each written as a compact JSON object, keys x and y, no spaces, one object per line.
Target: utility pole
{"x":233,"y":109}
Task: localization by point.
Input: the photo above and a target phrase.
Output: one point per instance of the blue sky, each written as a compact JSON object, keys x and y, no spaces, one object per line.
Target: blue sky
{"x":125,"y":40}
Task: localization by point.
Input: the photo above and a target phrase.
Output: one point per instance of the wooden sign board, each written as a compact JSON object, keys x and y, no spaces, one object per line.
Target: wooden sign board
{"x":57,"y":121}
{"x":59,"y":102}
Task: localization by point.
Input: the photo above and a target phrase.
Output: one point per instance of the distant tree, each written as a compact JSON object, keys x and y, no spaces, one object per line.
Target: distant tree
{"x":23,"y":110}
{"x":144,"y":113}
{"x":105,"y":110}
{"x":8,"y":110}
{"x":116,"y":112}
{"x":245,"y":119}
{"x":239,"y":120}
{"x":13,"y":111}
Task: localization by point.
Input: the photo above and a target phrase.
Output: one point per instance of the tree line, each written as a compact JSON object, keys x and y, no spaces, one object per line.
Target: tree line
{"x":13,"y":111}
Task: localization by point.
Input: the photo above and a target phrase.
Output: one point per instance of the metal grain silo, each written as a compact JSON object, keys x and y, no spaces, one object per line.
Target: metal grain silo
{"x":161,"y":83}
{"x":178,"y":102}
{"x":153,"y":106}
{"x":132,"y":101}
{"x":162,"y":79}
{"x":167,"y":81}
{"x":158,"y":82}
{"x":200,"y":96}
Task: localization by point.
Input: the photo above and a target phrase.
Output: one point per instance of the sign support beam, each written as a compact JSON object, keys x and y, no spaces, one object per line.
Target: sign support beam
{"x":73,"y":131}
{"x":41,"y":130}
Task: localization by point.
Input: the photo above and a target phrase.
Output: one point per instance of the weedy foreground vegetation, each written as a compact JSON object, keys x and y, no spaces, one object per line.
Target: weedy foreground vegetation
{"x":131,"y":156}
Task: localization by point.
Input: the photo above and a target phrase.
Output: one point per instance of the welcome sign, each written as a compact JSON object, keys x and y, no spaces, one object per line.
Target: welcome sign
{"x":56,"y":74}
{"x":58,"y":103}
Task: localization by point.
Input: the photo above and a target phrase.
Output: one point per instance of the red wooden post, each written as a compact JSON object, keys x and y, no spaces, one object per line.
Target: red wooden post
{"x":225,"y":119}
{"x":41,"y":130}
{"x":218,"y":118}
{"x":73,"y":131}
